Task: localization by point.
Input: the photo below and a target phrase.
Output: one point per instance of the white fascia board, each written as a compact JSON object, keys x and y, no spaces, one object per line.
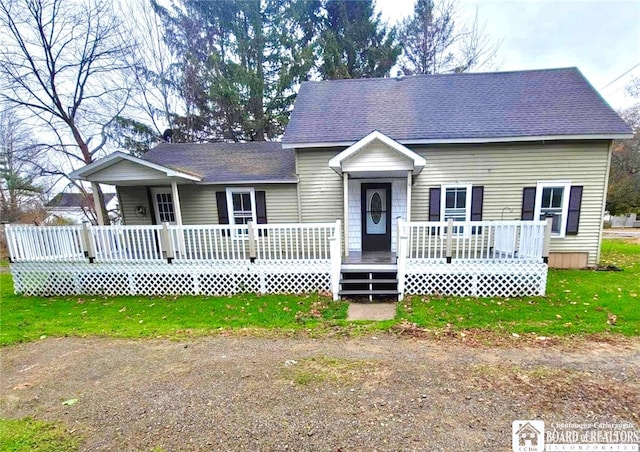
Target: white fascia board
{"x":613,"y":136}
{"x":112,"y":159}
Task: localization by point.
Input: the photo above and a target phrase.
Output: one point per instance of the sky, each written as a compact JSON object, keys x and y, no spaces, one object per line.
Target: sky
{"x":601,"y":38}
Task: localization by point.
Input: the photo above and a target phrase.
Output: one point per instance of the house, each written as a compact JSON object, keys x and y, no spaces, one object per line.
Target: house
{"x":76,"y":208}
{"x":486,"y":146}
{"x":382,"y":186}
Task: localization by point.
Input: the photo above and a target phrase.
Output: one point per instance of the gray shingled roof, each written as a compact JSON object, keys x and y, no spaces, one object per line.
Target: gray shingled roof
{"x":228,"y":162}
{"x":553,"y":102}
{"x":64,"y":200}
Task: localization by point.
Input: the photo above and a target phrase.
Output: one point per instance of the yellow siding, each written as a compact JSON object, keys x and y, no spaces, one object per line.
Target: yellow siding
{"x":199,"y":203}
{"x":130,"y":198}
{"x":504,"y":170}
{"x":320,"y":187}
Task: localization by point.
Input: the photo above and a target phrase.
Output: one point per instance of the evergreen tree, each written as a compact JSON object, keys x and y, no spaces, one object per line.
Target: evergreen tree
{"x":356,"y":43}
{"x":240,"y":63}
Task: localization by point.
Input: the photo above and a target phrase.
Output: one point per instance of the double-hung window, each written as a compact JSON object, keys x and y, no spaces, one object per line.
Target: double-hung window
{"x":456,"y":204}
{"x":552,"y":200}
{"x":241,"y":205}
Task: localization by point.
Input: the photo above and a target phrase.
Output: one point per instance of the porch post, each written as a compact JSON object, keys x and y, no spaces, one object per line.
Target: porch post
{"x":176,"y":202}
{"x":96,"y":203}
{"x":345,"y":188}
{"x":409,"y":174}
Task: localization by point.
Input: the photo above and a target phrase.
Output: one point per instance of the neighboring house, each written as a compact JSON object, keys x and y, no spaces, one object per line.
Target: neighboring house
{"x":629,"y":220}
{"x":76,"y":208}
{"x":487,"y":146}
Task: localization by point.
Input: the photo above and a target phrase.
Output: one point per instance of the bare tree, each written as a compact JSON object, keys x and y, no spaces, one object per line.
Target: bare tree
{"x":65,"y":62}
{"x":434,"y":42}
{"x":20,"y":163}
{"x":155,"y":78}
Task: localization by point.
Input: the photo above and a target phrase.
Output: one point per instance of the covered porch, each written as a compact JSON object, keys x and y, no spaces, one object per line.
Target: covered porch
{"x":377,"y":174}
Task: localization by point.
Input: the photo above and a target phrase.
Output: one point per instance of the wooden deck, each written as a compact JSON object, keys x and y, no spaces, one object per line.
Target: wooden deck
{"x":372,"y":257}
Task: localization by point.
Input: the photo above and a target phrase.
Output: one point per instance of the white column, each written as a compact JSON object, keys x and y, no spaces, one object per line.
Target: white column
{"x":96,"y":203}
{"x":176,"y":202}
{"x":409,"y":174}
{"x":345,"y":188}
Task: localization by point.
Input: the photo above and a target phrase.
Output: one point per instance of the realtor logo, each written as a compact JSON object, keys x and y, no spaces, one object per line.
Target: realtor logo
{"x":528,"y":436}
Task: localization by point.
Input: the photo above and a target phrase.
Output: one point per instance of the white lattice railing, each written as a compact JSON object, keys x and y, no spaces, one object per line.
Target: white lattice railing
{"x":52,"y":243}
{"x":211,"y":259}
{"x":473,"y":240}
{"x":208,"y":242}
{"x":478,"y":258}
{"x":308,"y":241}
{"x":271,"y":242}
{"x":126,"y":243}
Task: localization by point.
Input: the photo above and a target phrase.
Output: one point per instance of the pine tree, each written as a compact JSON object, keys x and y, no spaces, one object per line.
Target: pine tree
{"x":356,"y":43}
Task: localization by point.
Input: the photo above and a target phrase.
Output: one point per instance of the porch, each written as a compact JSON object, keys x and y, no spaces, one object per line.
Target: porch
{"x":465,"y":258}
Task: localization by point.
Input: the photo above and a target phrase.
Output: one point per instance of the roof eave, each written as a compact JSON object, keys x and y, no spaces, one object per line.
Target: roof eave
{"x":252,"y":182}
{"x":605,"y":136}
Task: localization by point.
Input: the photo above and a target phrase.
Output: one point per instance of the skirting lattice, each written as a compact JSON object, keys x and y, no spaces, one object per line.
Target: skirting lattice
{"x":202,"y":278}
{"x":511,"y":278}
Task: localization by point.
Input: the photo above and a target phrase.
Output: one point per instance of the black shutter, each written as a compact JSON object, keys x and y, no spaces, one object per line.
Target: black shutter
{"x":434,"y":208}
{"x":573,"y":216}
{"x":434,"y":204}
{"x":528,"y":203}
{"x":261,"y":208}
{"x":223,"y":213}
{"x":477,"y":195}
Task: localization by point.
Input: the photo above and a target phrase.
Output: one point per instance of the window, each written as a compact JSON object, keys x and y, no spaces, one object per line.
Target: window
{"x":241,"y":205}
{"x":165,"y":211}
{"x":456,"y":204}
{"x":552,"y":199}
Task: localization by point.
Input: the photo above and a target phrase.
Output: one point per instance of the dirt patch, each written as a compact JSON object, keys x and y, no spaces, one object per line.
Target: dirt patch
{"x":372,"y":393}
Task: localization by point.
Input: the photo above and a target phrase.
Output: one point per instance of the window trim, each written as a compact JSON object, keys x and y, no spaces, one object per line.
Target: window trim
{"x":566,"y":194}
{"x":155,"y":191}
{"x":231,"y":212}
{"x":467,"y":208}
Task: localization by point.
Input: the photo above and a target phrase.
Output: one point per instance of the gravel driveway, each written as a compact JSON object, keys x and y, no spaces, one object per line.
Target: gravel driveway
{"x":332,"y":394}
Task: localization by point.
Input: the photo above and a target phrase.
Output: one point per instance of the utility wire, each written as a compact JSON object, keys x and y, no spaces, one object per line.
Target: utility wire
{"x":619,"y":77}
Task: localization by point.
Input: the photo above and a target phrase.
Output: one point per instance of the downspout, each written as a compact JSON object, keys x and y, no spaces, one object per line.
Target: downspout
{"x":604,"y":201}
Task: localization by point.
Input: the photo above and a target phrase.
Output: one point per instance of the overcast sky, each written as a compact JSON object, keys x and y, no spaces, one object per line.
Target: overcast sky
{"x":601,"y":38}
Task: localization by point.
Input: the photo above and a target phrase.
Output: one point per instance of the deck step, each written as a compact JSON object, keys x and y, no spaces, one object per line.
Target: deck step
{"x":368,"y":292}
{"x":368,"y":281}
{"x":368,"y":268}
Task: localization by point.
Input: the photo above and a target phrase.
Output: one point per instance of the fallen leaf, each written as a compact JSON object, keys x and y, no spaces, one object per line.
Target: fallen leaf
{"x":70,"y":402}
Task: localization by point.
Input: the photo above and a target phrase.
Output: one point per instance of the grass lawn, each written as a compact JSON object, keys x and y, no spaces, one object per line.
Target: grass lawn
{"x":577,"y":302}
{"x":30,"y":435}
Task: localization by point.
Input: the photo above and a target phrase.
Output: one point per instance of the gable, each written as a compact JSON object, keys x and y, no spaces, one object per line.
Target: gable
{"x":375,"y":156}
{"x":126,"y":171}
{"x":377,"y":153}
